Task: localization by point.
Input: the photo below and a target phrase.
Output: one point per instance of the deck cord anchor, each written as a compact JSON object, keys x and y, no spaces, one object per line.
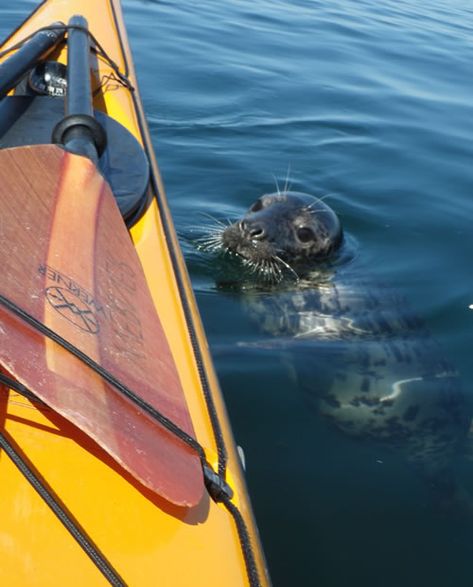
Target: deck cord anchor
{"x":219,"y":490}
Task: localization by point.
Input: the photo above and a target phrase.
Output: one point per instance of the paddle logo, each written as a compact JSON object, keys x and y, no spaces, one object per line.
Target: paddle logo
{"x":72,"y":308}
{"x":71,"y":300}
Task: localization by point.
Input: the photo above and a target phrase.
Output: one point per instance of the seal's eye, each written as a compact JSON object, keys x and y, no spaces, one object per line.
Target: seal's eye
{"x":256,"y":206}
{"x":305,"y":234}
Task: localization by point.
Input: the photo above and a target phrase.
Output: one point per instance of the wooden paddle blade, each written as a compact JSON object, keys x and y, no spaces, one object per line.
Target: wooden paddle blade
{"x":68,"y":260}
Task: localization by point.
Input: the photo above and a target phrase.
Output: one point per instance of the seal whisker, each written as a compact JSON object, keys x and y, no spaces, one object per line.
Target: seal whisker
{"x":214,"y":219}
{"x":287,"y":266}
{"x":312,"y":208}
{"x":321,"y":207}
{"x":212,"y":230}
{"x":268,"y":271}
{"x":386,"y":381}
{"x":309,"y":231}
{"x":276,"y":272}
{"x":329,"y":195}
{"x":277,"y":185}
{"x":211,"y":242}
{"x":214,"y":234}
{"x":209,"y":247}
{"x":288,"y":185}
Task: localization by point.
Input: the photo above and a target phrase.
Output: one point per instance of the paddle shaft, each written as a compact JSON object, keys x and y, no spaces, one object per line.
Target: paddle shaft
{"x":79,"y":97}
{"x":40,"y":44}
{"x":79,"y":131}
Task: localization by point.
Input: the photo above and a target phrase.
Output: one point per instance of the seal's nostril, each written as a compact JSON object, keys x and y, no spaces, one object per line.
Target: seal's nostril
{"x":252,"y":230}
{"x":257,"y":232}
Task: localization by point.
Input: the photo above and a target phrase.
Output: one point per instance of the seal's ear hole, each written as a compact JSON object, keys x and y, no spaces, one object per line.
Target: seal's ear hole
{"x":257,"y":206}
{"x":305,"y":234}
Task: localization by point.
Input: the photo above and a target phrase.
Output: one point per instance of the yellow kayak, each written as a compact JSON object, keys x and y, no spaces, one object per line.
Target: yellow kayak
{"x":144,"y":486}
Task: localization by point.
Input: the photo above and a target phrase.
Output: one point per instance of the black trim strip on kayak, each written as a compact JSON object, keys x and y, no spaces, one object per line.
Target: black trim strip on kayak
{"x":216,"y":428}
{"x":37,"y":481}
{"x":242,"y":529}
{"x":120,"y":40}
{"x":215,"y":483}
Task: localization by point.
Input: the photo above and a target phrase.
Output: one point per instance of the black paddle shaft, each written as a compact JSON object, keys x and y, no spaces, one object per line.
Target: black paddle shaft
{"x":28,"y":55}
{"x":79,"y":131}
{"x":79,"y":97}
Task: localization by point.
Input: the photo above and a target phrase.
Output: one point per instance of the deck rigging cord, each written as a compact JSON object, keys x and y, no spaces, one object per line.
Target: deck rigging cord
{"x":98,"y":49}
{"x":216,"y":486}
{"x":38,"y":482}
{"x":116,"y":383}
{"x":215,"y":482}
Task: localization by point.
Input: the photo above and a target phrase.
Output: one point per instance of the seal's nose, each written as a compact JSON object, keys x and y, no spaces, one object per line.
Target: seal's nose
{"x":253,"y":230}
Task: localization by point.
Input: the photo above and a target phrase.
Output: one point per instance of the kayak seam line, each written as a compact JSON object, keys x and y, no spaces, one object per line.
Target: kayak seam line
{"x":226,"y":496}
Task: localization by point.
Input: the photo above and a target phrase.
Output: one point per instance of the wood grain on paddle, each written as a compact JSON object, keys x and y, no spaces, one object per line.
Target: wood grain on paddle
{"x":68,"y":260}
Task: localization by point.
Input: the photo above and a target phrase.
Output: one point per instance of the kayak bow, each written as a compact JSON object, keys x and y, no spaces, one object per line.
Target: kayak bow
{"x":110,"y":405}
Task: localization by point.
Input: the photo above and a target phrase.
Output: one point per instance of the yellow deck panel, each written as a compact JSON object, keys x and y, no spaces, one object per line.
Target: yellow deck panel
{"x":148,"y":541}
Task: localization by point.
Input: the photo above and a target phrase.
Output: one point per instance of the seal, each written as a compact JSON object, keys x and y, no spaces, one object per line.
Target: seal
{"x":289,"y":229}
{"x":370,"y":365}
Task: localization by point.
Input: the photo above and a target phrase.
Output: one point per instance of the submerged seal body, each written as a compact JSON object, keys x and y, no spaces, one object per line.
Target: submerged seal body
{"x":372,"y":367}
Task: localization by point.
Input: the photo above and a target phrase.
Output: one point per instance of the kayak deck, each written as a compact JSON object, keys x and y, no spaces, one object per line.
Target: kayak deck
{"x":146,"y":539}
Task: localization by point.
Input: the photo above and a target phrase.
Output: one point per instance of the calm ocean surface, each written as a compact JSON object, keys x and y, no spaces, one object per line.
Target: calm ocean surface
{"x":371,"y":102}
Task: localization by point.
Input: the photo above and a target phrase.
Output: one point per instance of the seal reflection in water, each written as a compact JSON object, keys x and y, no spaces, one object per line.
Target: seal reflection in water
{"x":371,"y":366}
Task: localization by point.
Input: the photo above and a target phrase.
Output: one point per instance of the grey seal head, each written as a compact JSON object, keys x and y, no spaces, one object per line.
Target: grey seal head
{"x":288,"y":229}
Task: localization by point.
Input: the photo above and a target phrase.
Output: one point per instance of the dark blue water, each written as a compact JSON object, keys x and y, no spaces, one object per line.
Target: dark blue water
{"x":370,"y":102}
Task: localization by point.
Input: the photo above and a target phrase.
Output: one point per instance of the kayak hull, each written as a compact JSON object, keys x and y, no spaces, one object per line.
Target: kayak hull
{"x":147,"y":540}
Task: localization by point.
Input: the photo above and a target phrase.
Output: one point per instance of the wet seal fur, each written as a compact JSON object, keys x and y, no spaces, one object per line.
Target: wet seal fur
{"x":291,"y":229}
{"x":371,"y":366}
